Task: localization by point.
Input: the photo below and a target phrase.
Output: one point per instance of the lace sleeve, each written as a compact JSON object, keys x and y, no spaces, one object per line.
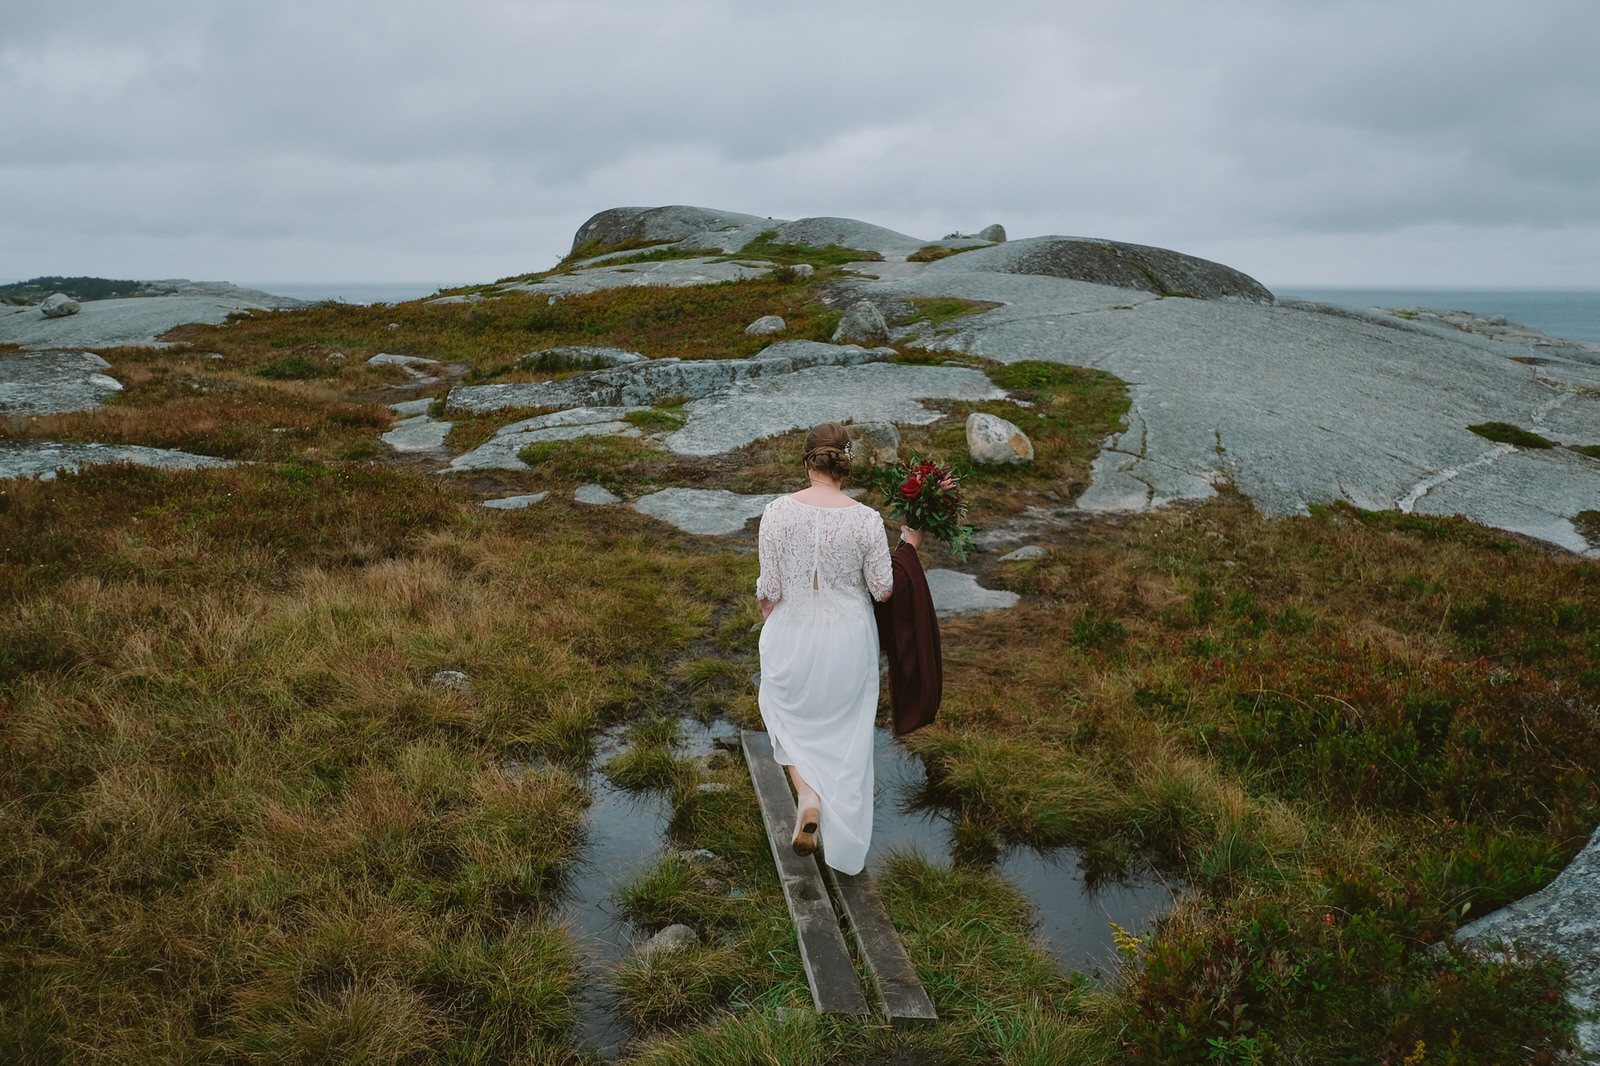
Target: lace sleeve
{"x":769,"y":585}
{"x":876,"y":568}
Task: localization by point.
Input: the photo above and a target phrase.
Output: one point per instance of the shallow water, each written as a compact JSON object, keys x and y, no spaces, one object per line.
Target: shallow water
{"x":626,"y":835}
{"x":1072,"y":920}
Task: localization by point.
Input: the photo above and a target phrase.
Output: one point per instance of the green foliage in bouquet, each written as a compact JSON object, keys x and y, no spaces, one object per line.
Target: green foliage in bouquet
{"x":927,"y":495}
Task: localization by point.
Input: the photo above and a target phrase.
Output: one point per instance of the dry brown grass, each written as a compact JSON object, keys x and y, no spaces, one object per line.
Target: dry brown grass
{"x":239,"y":820}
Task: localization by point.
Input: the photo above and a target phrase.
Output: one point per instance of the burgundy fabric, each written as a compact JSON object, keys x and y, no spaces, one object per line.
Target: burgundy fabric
{"x":908,"y":632}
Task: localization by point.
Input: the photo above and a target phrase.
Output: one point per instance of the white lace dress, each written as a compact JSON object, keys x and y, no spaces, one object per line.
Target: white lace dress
{"x":819,"y":658}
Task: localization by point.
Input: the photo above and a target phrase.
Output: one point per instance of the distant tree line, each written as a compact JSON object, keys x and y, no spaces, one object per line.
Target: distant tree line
{"x":81,"y":289}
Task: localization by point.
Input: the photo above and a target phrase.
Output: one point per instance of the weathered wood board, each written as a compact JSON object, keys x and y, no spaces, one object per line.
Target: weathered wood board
{"x":835,"y":988}
{"x":905,"y":1001}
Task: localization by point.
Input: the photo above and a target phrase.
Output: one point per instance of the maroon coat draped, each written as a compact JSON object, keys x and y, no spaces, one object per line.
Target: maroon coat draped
{"x":908,"y":632}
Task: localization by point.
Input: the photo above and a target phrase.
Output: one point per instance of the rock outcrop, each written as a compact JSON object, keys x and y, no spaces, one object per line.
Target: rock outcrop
{"x":995,"y":233}
{"x":643,"y":384}
{"x":1124,"y":266}
{"x":862,"y":324}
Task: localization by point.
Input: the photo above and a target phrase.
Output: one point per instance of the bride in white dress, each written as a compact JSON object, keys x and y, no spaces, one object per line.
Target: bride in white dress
{"x":824,"y":557}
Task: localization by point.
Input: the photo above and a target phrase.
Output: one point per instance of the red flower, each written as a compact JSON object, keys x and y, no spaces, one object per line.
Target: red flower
{"x":910,"y":489}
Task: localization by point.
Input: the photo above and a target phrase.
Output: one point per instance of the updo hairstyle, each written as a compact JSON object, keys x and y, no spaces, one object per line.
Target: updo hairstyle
{"x":828,"y":451}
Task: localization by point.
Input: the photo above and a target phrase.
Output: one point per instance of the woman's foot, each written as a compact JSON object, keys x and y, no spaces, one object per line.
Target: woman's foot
{"x":807,"y":817}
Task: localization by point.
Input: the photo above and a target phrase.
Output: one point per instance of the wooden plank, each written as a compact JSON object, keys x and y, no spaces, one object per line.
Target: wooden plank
{"x":905,"y":1001}
{"x":835,"y":988}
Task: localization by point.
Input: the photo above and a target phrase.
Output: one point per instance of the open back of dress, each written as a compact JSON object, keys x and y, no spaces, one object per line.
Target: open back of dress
{"x":822,"y":567}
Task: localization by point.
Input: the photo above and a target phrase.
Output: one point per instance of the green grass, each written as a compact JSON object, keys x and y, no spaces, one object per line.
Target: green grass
{"x":830,"y":255}
{"x":1591,"y":450}
{"x":1506,"y":433}
{"x":938,"y":310}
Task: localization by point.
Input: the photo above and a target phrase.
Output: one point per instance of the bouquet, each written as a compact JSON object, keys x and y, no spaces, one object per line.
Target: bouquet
{"x":926,"y":495}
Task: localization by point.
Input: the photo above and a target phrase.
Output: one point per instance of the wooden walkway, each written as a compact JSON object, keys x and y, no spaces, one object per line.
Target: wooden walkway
{"x":835,"y":988}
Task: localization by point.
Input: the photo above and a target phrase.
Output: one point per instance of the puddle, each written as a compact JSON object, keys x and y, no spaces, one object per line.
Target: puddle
{"x":1071,"y":920}
{"x":625,"y":835}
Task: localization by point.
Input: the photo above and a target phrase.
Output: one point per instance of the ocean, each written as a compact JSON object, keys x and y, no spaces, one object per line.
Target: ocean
{"x":1570,"y":313}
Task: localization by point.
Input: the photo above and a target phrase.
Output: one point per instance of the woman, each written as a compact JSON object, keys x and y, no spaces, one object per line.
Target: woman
{"x":824,"y":558}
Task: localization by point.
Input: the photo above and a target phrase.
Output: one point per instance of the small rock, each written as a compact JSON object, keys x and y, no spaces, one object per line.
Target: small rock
{"x":393,"y":326}
{"x":863,"y":324}
{"x":512,"y":503}
{"x":59,"y":305}
{"x":1021,"y":555}
{"x":765,"y":326}
{"x":452,"y":681}
{"x":995,"y":233}
{"x":552,"y":301}
{"x":955,"y":594}
{"x":386,"y":359}
{"x":595,"y":494}
{"x":874,"y":443}
{"x":707,"y":788}
{"x":216,"y":355}
{"x":710,"y":885}
{"x":698,"y":857}
{"x":994,"y":440}
{"x":672,"y":939}
{"x":803,"y":270}
{"x":335,"y":355}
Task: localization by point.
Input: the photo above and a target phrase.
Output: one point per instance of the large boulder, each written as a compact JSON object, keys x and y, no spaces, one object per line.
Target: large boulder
{"x":766,"y":326}
{"x":1125,"y":266}
{"x":862,"y":324}
{"x":994,"y":440}
{"x":59,"y":305}
{"x":995,"y":233}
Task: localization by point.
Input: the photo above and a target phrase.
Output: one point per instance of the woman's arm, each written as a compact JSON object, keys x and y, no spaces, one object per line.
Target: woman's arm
{"x":769,"y":584}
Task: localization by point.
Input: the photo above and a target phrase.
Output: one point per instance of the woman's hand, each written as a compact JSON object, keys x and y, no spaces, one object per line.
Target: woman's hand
{"x":912,"y":537}
{"x":766,"y":608}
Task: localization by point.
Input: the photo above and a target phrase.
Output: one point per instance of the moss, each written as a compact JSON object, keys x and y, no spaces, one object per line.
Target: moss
{"x":1506,"y":433}
{"x":932,"y":253}
{"x":765,"y":247}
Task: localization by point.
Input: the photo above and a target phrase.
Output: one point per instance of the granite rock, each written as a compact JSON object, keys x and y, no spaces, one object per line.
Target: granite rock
{"x":993,"y":440}
{"x":995,"y":233}
{"x":1024,"y":554}
{"x":59,"y":305}
{"x":643,"y":384}
{"x":956,"y":594}
{"x":1562,"y":919}
{"x":42,"y":383}
{"x":766,"y":326}
{"x":500,"y":451}
{"x":862,"y":324}
{"x":42,"y":458}
{"x":673,"y":938}
{"x":874,"y":443}
{"x":515,"y":503}
{"x":596,"y":495}
{"x":711,"y":512}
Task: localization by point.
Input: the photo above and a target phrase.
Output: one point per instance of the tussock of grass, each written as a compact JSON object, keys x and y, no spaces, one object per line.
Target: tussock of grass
{"x":829,"y":255}
{"x":941,"y":309}
{"x":1506,"y":433}
{"x":932,"y":253}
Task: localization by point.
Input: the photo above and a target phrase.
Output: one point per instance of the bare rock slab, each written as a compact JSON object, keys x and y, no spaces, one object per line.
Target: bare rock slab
{"x":137,"y":320}
{"x":710,"y":512}
{"x":515,"y":503}
{"x":41,"y":383}
{"x":874,"y":392}
{"x":596,"y":495}
{"x":42,"y":458}
{"x":500,"y":451}
{"x":766,"y":326}
{"x":956,"y":594}
{"x":418,"y":434}
{"x":1563,"y":919}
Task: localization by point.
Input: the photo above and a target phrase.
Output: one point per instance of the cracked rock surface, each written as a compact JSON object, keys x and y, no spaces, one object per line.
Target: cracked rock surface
{"x":44,"y":383}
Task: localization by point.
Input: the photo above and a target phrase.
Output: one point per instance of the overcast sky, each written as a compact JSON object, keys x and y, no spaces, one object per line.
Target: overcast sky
{"x":1306,"y":142}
